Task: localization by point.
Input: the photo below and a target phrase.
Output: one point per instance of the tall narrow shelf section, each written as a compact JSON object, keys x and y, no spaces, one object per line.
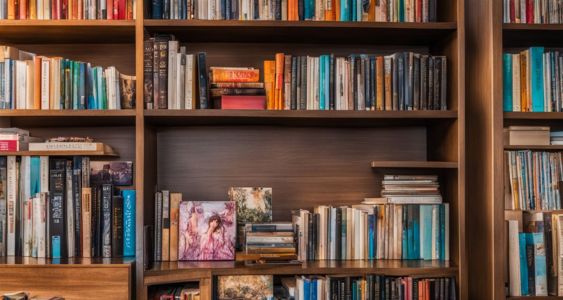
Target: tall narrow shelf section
{"x":309,"y":158}
{"x":488,"y":39}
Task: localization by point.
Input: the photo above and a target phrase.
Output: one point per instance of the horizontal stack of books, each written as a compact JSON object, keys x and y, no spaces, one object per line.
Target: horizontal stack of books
{"x":527,"y":135}
{"x":556,"y":138}
{"x":270,"y":240}
{"x":374,"y":287}
{"x":297,"y":10}
{"x":533,"y":12}
{"x":386,"y":231}
{"x":532,"y":81}
{"x":15,"y":139}
{"x":535,"y":254}
{"x":237,"y":88}
{"x":51,"y":208}
{"x":411,"y":189}
{"x":532,"y":180}
{"x":30,"y":81}
{"x":68,"y":10}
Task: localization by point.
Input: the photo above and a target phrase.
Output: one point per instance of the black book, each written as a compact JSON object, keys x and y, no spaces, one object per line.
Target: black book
{"x":423,"y":81}
{"x":107,"y":193}
{"x":409,"y":78}
{"x":158,"y":227}
{"x":332,"y":88}
{"x":310,"y":238}
{"x":256,"y":9}
{"x":148,"y":251}
{"x":148,"y":58}
{"x":395,"y":82}
{"x":117,"y":227}
{"x":338,"y":229}
{"x":202,"y":81}
{"x":415,"y":288}
{"x":437,"y":83}
{"x":371,"y":82}
{"x":443,"y":83}
{"x":77,"y":198}
{"x":303,"y":97}
{"x":431,"y":10}
{"x":430,"y":98}
{"x":531,"y":268}
{"x":166,"y":9}
{"x":294,"y":78}
{"x":551,"y":266}
{"x":300,"y":9}
{"x":401,"y":79}
{"x":163,"y":72}
{"x":416,"y":83}
{"x":342,"y":294}
{"x":278,"y":10}
{"x":57,"y":213}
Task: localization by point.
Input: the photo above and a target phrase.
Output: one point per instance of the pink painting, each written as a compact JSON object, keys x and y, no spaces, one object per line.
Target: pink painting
{"x":207,"y":230}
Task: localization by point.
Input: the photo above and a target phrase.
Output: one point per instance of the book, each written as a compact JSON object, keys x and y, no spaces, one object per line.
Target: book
{"x":57,"y":209}
{"x":106,"y":220}
{"x":129,"y":221}
{"x":175,"y":199}
{"x":230,"y":74}
{"x":86,"y":222}
{"x":165,"y":252}
{"x":117,"y":226}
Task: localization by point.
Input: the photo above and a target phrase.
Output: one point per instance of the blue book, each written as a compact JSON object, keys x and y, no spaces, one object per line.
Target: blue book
{"x":129,"y":197}
{"x":507,"y":81}
{"x":55,"y":246}
{"x":91,"y":84}
{"x":35,"y":175}
{"x":345,"y":10}
{"x":371,"y":236}
{"x":322,"y":78}
{"x":426,"y":231}
{"x":523,"y":264}
{"x":309,"y":9}
{"x":536,"y":79}
{"x":436,"y":229}
{"x":157,"y":9}
{"x":401,"y":9}
{"x":354,"y":8}
{"x":314,"y":289}
{"x":416,"y":231}
{"x":326,"y":86}
{"x":410,"y":241}
{"x":540,"y":267}
{"x":354,"y":290}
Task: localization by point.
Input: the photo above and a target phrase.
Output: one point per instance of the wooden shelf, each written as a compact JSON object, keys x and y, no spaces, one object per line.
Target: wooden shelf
{"x":303,"y":31}
{"x":69,"y":262}
{"x":535,"y":297}
{"x":67,"y":31}
{"x":295,"y":117}
{"x":525,"y":35}
{"x":534,"y":147}
{"x":105,"y":153}
{"x":54,"y":118}
{"x":414,"y":164}
{"x":165,"y":272}
{"x":533,"y":115}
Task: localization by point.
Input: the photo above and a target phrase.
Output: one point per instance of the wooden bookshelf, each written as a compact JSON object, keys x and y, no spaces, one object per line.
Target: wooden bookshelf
{"x":303,"y":155}
{"x":490,"y":38}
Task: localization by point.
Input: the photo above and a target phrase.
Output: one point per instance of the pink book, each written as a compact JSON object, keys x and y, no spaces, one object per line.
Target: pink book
{"x":241,"y":102}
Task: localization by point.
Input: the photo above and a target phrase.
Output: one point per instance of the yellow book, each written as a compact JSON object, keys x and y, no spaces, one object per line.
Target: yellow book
{"x":175,"y":199}
{"x":269,"y":75}
{"x":33,"y":9}
{"x":279,"y":81}
{"x":379,"y":74}
{"x":524,"y":84}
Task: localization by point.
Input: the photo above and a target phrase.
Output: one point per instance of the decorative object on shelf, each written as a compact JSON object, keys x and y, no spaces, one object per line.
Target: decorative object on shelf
{"x":254,"y":205}
{"x":247,"y":287}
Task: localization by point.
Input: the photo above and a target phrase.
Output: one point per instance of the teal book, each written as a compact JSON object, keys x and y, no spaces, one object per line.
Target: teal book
{"x":507,"y":81}
{"x":442,"y":235}
{"x":104,"y":93}
{"x":35,"y":175}
{"x":426,"y":231}
{"x":82,"y":86}
{"x":540,"y":267}
{"x":99,"y":85}
{"x":307,"y":288}
{"x":322,"y":78}
{"x":354,"y":9}
{"x":327,"y":82}
{"x":309,"y":9}
{"x":416,"y":231}
{"x":523,"y":264}
{"x":344,"y":10}
{"x":129,"y":213}
{"x":536,"y":78}
{"x":75,"y":83}
{"x":410,"y":239}
{"x":436,"y":229}
{"x":401,"y":10}
{"x":371,"y":236}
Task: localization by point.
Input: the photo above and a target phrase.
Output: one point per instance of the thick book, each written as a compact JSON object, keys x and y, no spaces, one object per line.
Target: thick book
{"x":228,"y":74}
{"x":117,"y":226}
{"x":240,"y":102}
{"x":148,"y":73}
{"x":106,"y":219}
{"x":203,"y":92}
{"x":175,"y":199}
{"x":57,"y":209}
{"x":3,"y":206}
{"x":165,"y":251}
{"x":129,"y":213}
{"x":86,"y":229}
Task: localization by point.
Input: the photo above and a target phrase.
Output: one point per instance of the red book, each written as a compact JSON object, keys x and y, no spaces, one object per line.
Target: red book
{"x":512,"y":12}
{"x":116,"y":9}
{"x":9,"y":145}
{"x":122,"y":11}
{"x":241,"y":102}
{"x":530,"y":11}
{"x":418,"y":17}
{"x":23,"y":9}
{"x":109,"y":9}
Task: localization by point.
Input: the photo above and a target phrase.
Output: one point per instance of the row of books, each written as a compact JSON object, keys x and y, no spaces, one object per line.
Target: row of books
{"x":532,"y":180}
{"x":533,"y":12}
{"x":49,"y":209}
{"x":374,"y":287}
{"x":419,"y":189}
{"x":296,"y":10}
{"x":535,"y":254}
{"x":67,"y":9}
{"x":360,"y":232}
{"x":401,"y":81}
{"x":176,"y":291}
{"x":533,"y":81}
{"x":30,"y":81}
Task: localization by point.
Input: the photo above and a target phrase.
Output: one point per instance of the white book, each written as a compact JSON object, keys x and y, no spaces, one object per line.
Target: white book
{"x":357,"y":234}
{"x":30,"y":83}
{"x":436,"y":199}
{"x":516,"y":92}
{"x":12,"y":195}
{"x":35,"y":216}
{"x":316,"y":73}
{"x":44,"y":174}
{"x":69,"y":218}
{"x":332,"y":233}
{"x":180,"y":78}
{"x":172,"y":51}
{"x":514,"y":258}
{"x":66,"y":146}
{"x":45,"y":92}
{"x":55,"y":92}
{"x":27,"y":228}
{"x":349,"y":233}
{"x":42,"y":234}
{"x":21,"y":85}
{"x":117,"y":88}
{"x":189,"y":82}
{"x":300,"y":288}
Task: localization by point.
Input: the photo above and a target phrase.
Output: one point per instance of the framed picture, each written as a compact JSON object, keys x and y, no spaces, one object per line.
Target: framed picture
{"x":118,"y":173}
{"x":251,"y":287}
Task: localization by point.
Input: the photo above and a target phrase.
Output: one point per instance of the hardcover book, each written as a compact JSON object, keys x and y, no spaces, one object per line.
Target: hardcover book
{"x":207,"y":230}
{"x":251,"y":287}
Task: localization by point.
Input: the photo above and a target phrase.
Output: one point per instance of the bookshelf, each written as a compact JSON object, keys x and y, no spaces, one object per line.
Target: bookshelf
{"x":308,"y":157}
{"x":488,"y":38}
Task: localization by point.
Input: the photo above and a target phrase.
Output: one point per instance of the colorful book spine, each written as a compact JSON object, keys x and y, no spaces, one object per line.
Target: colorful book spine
{"x":129,"y":213}
{"x":507,"y":79}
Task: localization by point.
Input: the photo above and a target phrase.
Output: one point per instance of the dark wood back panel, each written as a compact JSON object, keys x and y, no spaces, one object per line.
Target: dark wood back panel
{"x":305,"y":166}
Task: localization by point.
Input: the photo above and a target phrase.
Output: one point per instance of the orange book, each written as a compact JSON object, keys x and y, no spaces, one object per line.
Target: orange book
{"x":524,"y":56}
{"x":175,"y":199}
{"x":337,"y":10}
{"x":22,"y":9}
{"x":330,"y":12}
{"x":279,"y":81}
{"x":371,"y":10}
{"x":11,"y":9}
{"x":33,"y":9}
{"x":37,"y":82}
{"x":269,"y":75}
{"x":388,"y":80}
{"x":379,"y":100}
{"x":129,"y":10}
{"x":221,"y":74}
{"x":79,"y":10}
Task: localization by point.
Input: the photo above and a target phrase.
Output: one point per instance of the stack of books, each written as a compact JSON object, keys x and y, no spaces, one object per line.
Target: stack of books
{"x":15,"y":139}
{"x":385,"y":231}
{"x":556,"y":138}
{"x":527,"y":135}
{"x":374,"y":287}
{"x":533,"y":12}
{"x":68,"y":10}
{"x":30,"y":81}
{"x":411,"y":189}
{"x":532,"y":81}
{"x":237,"y":88}
{"x":532,"y":180}
{"x":535,"y":254}
{"x":178,"y":291}
{"x":51,"y":208}
{"x":297,"y":10}
{"x":270,"y":240}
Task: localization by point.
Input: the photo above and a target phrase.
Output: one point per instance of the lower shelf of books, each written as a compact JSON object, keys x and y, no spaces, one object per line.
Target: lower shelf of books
{"x":77,"y":261}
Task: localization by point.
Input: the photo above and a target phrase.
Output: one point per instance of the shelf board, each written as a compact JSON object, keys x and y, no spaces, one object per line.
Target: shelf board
{"x":165,"y":272}
{"x":19,"y":261}
{"x":67,"y":31}
{"x":295,"y":117}
{"x":103,"y":153}
{"x":55,"y":118}
{"x":533,"y":115}
{"x":534,"y":147}
{"x":411,"y":164}
{"x":303,"y":31}
{"x":524,"y":35}
{"x":534,"y":297}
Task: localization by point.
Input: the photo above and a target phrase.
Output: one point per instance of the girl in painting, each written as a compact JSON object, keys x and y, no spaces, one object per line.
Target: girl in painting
{"x":190,"y":239}
{"x":215,"y":245}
